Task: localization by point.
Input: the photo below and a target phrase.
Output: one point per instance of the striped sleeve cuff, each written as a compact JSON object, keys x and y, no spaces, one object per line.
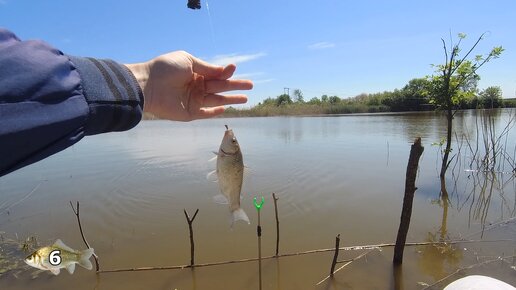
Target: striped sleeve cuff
{"x":114,"y":98}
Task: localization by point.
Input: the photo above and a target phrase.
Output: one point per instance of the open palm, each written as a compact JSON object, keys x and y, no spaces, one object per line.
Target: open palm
{"x":178,"y":86}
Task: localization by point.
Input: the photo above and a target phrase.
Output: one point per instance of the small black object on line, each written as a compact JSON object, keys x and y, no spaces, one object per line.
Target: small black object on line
{"x":194,"y":4}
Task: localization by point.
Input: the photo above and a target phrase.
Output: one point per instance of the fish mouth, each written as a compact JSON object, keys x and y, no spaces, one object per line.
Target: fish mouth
{"x":226,"y":153}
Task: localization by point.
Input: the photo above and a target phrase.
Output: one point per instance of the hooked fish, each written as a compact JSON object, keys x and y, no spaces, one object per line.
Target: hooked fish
{"x":230,"y":175}
{"x":54,"y":258}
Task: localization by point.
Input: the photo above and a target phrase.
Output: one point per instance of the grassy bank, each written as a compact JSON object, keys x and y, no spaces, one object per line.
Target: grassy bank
{"x":303,"y":109}
{"x":349,"y":106}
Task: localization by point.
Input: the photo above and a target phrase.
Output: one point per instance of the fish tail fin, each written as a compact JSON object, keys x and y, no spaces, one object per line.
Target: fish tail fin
{"x":84,"y":260}
{"x":239,"y":215}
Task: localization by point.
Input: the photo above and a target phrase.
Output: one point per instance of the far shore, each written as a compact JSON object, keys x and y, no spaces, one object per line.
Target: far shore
{"x":243,"y":113}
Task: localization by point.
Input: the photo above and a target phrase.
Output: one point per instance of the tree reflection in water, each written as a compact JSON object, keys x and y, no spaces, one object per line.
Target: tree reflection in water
{"x":437,"y":260}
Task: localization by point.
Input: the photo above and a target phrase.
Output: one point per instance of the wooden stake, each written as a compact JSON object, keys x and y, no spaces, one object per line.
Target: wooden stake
{"x":277,"y":221}
{"x":336,"y":255}
{"x":192,"y":245}
{"x":410,"y":188}
{"x":77,"y":214}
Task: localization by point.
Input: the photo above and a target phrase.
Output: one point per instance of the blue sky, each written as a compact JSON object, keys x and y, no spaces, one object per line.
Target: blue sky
{"x":329,"y":47}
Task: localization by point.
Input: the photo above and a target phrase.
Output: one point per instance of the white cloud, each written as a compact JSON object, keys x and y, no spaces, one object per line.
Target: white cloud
{"x":252,"y":76}
{"x":321,"y":45}
{"x":247,"y":75}
{"x":234,"y":58}
{"x":263,"y":81}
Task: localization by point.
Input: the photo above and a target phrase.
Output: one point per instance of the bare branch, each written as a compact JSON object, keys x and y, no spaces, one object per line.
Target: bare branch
{"x":190,"y":228}
{"x":345,"y":265}
{"x":336,"y":255}
{"x":469,"y":52}
{"x":77,"y":214}
{"x":277,"y":221}
{"x":349,"y":248}
{"x":445,"y":56}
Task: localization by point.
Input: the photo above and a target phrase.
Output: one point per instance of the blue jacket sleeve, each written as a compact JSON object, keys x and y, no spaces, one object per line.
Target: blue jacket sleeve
{"x":49,"y":101}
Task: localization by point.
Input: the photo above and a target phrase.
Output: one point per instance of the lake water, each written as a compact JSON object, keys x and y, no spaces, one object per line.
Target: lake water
{"x":333,"y":175}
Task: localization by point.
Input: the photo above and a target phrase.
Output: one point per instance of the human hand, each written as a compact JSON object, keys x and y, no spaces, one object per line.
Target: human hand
{"x":181,"y":87}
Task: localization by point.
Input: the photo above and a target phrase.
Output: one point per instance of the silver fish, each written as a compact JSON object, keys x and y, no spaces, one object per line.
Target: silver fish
{"x":230,"y":175}
{"x":54,"y":258}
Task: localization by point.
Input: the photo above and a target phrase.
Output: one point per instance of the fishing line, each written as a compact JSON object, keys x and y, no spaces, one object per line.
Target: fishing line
{"x":212,"y":30}
{"x":2,"y":210}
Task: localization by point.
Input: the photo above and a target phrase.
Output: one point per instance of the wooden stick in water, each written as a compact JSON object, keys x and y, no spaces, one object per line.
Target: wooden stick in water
{"x":77,"y":214}
{"x":277,"y":221}
{"x":192,"y":245}
{"x":410,"y":188}
{"x":349,"y":248}
{"x":348,"y":262}
{"x":336,"y":256}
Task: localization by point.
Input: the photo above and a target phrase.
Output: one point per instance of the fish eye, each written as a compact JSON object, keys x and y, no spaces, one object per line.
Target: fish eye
{"x":234,"y":140}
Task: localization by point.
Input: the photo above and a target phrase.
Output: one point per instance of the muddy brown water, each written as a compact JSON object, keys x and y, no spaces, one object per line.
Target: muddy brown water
{"x":333,"y":174}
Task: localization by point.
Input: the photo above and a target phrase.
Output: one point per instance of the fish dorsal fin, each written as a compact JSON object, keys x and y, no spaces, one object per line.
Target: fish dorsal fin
{"x":61,"y":245}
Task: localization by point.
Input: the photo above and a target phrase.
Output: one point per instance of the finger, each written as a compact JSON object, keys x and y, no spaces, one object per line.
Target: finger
{"x":209,"y":112}
{"x":228,"y":72}
{"x":219,"y":86}
{"x":206,"y":69}
{"x":214,"y":100}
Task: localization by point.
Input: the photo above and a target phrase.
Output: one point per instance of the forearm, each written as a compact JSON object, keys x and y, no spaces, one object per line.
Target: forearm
{"x":49,"y":101}
{"x":114,"y":98}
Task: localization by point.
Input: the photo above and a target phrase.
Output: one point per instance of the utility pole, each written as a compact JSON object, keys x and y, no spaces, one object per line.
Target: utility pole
{"x":286,"y":91}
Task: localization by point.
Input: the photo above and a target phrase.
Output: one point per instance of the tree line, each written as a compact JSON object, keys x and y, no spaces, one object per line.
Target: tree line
{"x":416,"y":95}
